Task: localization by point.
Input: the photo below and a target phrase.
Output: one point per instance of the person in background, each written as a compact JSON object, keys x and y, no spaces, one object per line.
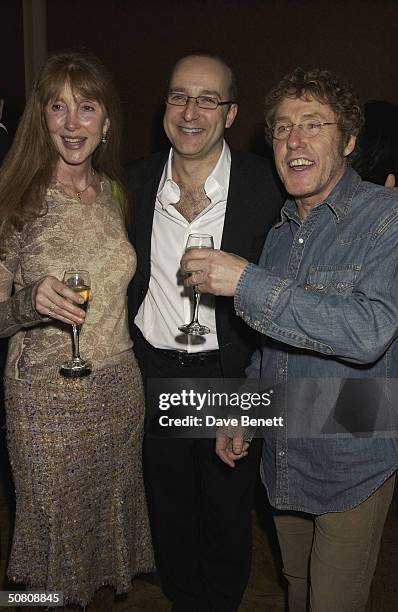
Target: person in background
{"x":202,"y":537}
{"x":81,"y":522}
{"x":325,"y":298}
{"x":5,"y":140}
{"x":377,"y":157}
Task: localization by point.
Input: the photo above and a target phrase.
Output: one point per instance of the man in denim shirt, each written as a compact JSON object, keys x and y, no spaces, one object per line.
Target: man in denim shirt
{"x":325,"y":296}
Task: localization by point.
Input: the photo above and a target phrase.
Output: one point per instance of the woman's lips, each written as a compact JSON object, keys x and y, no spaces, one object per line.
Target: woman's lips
{"x":72,"y":143}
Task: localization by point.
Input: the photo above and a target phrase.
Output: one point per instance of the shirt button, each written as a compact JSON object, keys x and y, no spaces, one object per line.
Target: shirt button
{"x":281,"y":370}
{"x":281,"y":453}
{"x":301,"y":240}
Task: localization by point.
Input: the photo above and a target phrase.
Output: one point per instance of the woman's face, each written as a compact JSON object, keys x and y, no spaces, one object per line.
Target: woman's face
{"x":76,"y":126}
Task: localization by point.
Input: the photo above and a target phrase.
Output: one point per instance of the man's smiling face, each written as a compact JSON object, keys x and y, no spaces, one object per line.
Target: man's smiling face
{"x":197,"y":133}
{"x":310,"y":167}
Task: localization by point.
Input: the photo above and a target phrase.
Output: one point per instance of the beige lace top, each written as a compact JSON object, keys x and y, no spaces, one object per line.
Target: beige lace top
{"x":70,"y":235}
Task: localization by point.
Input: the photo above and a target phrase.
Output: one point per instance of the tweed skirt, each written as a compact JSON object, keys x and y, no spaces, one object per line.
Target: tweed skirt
{"x":75,"y":451}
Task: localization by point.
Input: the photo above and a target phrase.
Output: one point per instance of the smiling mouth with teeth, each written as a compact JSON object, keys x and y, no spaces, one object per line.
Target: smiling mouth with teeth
{"x":191,"y":130}
{"x":301,"y":161}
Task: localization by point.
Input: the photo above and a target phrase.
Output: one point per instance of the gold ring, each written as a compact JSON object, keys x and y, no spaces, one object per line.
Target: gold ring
{"x":51,"y":309}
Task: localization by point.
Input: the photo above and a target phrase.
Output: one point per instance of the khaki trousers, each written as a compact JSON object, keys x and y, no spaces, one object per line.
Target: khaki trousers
{"x":329,"y":560}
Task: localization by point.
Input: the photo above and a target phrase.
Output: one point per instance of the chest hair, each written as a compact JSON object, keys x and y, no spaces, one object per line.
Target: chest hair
{"x":192,"y":201}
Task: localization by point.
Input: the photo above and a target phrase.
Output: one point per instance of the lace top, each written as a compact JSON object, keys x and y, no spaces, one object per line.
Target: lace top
{"x":70,"y":235}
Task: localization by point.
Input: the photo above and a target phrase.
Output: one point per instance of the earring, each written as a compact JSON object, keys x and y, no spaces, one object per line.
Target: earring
{"x":104,"y":138}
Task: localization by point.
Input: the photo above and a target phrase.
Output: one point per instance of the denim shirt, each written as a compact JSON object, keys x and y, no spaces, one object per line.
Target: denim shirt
{"x":325,"y":296}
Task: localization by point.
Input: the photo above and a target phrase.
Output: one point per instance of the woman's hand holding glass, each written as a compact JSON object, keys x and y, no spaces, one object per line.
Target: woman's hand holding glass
{"x":79,"y":281}
{"x":53,"y":299}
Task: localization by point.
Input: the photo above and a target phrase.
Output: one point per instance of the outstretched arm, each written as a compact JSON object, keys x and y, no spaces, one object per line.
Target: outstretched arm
{"x":356,"y":326}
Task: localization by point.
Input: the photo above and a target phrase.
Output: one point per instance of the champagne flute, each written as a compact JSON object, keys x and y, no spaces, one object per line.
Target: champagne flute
{"x":194,"y":328}
{"x":78,"y":281}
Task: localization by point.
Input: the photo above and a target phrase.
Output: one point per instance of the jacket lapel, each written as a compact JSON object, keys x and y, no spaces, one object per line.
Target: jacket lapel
{"x":238,"y":217}
{"x":145,"y":197}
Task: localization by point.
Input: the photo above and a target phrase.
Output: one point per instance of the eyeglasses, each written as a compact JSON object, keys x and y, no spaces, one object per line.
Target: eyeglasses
{"x":309,"y":128}
{"x":179,"y":99}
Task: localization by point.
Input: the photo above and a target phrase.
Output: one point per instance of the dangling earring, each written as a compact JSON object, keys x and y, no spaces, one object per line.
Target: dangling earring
{"x":104,"y":138}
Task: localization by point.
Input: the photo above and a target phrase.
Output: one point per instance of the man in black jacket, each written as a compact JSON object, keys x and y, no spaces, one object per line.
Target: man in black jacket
{"x":202,"y":536}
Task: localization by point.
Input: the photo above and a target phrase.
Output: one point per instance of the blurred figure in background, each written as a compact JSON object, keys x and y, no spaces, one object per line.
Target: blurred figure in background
{"x":377,"y":158}
{"x":5,"y":140}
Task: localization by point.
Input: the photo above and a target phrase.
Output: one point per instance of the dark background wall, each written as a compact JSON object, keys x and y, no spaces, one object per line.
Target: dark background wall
{"x":12,"y":71}
{"x":262,"y":39}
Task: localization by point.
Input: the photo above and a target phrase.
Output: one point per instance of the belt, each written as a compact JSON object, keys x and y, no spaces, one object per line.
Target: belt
{"x":183,"y":358}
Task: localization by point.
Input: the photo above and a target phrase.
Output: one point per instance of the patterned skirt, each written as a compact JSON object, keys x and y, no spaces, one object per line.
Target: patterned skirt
{"x":75,"y":451}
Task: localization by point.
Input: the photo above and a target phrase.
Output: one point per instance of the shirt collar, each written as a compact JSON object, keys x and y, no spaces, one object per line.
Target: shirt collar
{"x":216,"y":184}
{"x":339,"y":200}
{"x":169,"y":191}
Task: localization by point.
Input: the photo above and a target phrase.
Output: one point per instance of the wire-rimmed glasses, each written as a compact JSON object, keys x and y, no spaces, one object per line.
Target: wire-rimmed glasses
{"x":309,"y":128}
{"x":176,"y":98}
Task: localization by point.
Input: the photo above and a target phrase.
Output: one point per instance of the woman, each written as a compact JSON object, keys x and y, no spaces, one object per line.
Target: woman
{"x":74,"y":443}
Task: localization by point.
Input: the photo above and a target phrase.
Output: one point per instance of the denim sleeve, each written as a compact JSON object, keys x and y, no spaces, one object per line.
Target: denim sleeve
{"x":357,"y":326}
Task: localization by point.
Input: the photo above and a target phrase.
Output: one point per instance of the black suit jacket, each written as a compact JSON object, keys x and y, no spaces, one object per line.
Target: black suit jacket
{"x":254,"y":201}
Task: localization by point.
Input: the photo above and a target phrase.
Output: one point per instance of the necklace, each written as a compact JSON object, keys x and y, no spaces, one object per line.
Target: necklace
{"x":78,"y":194}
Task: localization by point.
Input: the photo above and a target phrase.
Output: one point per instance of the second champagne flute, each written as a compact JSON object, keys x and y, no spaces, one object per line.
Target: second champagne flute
{"x":194,"y":328}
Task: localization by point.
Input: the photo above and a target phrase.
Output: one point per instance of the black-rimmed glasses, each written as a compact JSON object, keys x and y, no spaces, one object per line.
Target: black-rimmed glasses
{"x":179,"y":99}
{"x":309,"y":128}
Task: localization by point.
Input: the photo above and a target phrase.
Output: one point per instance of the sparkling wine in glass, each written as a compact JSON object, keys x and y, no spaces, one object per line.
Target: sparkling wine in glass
{"x":78,"y":281}
{"x":194,"y":328}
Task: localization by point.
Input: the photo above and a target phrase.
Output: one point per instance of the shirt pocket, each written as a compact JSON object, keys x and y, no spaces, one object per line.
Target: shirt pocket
{"x":338,"y":278}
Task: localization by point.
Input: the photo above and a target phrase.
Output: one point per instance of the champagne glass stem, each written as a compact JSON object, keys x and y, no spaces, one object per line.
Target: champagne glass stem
{"x":194,"y":328}
{"x":196,"y":302}
{"x":76,"y":342}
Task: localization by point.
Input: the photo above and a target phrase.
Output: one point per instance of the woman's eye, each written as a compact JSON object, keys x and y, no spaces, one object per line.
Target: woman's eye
{"x":56,"y":107}
{"x":87,"y":108}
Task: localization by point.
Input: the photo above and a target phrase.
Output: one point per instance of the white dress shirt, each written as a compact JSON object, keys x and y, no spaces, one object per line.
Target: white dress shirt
{"x":168,"y":304}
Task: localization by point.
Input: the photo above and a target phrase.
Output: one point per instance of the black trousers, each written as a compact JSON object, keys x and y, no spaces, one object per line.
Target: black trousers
{"x":199,"y":508}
